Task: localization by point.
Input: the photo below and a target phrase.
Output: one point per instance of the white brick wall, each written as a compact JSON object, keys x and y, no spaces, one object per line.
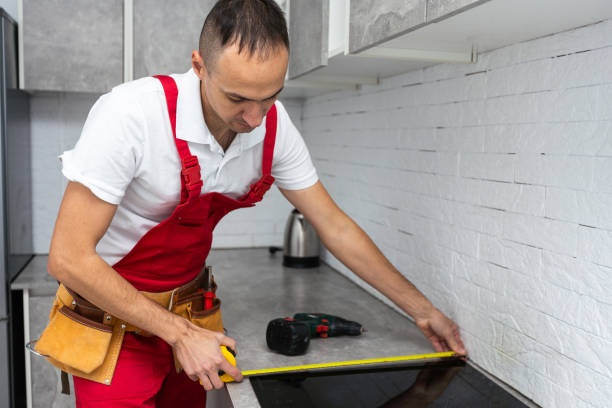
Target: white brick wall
{"x":57,"y":119}
{"x":490,"y":187}
{"x":56,"y":122}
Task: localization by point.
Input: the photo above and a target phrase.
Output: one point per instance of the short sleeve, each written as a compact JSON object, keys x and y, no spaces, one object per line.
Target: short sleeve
{"x":106,"y":157}
{"x":292,"y":166}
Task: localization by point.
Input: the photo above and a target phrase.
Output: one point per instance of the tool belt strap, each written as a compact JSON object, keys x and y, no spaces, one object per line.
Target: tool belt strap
{"x":166,"y":299}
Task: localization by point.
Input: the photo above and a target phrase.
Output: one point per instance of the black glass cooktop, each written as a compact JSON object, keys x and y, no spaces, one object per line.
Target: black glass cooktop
{"x":442,"y":384}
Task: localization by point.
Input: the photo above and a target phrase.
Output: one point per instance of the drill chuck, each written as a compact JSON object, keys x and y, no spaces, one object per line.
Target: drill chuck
{"x":347,"y":328}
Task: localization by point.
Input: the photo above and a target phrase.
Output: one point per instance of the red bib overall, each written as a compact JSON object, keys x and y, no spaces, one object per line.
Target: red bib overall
{"x":169,"y":255}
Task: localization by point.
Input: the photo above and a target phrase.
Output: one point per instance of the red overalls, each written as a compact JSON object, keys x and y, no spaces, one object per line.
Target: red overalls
{"x":171,"y":254}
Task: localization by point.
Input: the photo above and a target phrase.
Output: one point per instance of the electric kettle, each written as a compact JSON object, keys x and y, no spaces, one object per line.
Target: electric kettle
{"x":301,"y":243}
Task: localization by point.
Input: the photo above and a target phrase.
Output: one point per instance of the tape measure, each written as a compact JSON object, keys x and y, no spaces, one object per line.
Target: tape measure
{"x":230,"y":357}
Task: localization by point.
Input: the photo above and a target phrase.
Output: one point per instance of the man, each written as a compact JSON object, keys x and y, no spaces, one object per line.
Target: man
{"x":127,"y":206}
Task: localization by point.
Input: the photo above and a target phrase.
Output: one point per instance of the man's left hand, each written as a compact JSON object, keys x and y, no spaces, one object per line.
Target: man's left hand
{"x":441,"y":331}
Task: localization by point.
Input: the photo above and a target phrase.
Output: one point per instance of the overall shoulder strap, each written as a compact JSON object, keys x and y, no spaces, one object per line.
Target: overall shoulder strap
{"x":191,"y":180}
{"x":269,"y":141}
{"x":260,"y":187}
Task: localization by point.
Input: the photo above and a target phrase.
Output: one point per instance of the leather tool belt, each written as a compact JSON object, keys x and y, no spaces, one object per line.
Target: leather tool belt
{"x":85,"y":341}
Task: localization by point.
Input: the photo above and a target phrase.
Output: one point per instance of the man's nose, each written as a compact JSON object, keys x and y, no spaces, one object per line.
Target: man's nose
{"x":253,"y":116}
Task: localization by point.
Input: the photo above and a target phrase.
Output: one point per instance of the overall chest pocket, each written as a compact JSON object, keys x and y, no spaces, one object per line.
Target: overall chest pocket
{"x":191,"y":215}
{"x":190,"y":221}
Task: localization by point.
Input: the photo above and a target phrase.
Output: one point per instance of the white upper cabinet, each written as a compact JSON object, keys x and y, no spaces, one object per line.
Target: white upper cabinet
{"x":373,"y":39}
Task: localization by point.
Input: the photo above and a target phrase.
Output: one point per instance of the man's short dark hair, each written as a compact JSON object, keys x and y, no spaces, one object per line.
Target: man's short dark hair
{"x":256,"y":26}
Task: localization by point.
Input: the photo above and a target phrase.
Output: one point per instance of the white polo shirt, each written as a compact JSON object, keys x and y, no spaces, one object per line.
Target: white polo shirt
{"x":126,"y":156}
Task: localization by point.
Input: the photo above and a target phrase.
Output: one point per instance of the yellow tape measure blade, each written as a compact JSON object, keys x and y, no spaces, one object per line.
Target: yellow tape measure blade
{"x":349,"y":363}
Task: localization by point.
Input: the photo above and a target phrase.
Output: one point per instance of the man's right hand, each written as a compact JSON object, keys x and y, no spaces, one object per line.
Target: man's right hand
{"x":199,"y":352}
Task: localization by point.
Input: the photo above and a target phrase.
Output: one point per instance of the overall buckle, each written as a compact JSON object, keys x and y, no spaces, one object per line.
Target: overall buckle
{"x":264,"y":184}
{"x":191,"y":172}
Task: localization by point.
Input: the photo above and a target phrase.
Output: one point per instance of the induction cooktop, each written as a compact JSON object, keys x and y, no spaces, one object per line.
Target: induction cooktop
{"x":442,"y":384}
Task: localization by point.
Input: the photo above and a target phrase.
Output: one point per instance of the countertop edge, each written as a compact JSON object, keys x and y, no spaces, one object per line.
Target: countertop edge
{"x":241,"y":394}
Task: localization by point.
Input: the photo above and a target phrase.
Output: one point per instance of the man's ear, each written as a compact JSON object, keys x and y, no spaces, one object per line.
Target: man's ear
{"x":197,"y":63}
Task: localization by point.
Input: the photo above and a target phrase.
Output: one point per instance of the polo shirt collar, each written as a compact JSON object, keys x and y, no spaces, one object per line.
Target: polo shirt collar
{"x":190,"y":124}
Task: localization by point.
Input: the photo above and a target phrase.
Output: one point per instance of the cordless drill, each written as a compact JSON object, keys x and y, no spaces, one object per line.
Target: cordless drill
{"x":291,"y":335}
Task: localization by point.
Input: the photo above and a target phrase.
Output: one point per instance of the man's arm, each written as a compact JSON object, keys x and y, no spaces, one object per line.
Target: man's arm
{"x":82,"y":221}
{"x":352,"y":246}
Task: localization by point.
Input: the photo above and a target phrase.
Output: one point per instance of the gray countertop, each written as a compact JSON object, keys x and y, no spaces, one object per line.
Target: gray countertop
{"x":34,"y":277}
{"x":255,"y":288}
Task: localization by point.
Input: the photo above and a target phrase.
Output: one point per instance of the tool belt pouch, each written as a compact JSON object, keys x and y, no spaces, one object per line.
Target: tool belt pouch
{"x":84,"y":341}
{"x":77,"y":342}
{"x":192,"y":309}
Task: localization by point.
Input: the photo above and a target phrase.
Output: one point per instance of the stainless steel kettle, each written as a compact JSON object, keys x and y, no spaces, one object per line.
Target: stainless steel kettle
{"x":301,"y":244}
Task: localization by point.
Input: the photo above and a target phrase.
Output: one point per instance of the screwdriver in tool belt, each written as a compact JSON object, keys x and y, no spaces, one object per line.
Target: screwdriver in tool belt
{"x":209,"y":295}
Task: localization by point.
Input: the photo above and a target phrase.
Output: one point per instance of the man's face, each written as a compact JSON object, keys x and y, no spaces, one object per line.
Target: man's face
{"x":241,"y":89}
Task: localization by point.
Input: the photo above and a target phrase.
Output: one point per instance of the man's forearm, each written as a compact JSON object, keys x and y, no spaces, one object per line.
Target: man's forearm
{"x":352,"y":246}
{"x":97,"y":282}
{"x":355,"y":249}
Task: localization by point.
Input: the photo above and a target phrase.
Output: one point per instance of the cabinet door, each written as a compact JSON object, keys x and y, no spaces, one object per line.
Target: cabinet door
{"x":72,"y":45}
{"x":372,"y":21}
{"x":308,"y":31}
{"x":165,"y":34}
{"x":442,"y":8}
